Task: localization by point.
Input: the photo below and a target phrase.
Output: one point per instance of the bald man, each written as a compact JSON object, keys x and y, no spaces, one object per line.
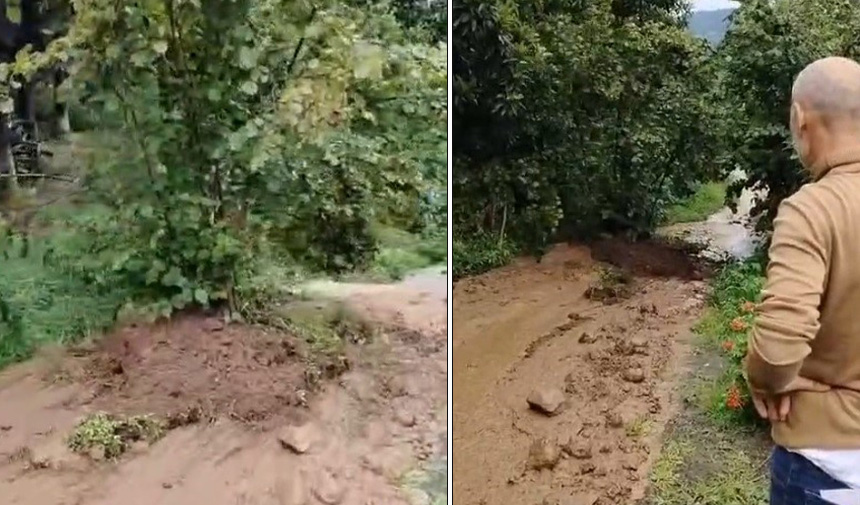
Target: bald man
{"x":803,"y":363}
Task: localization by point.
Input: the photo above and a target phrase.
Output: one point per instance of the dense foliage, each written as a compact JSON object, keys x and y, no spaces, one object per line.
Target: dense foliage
{"x":767,"y":45}
{"x":573,"y":118}
{"x":235,"y":135}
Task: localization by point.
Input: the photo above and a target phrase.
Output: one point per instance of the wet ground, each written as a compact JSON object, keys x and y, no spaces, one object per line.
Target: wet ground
{"x":724,"y":235}
{"x":263,"y":434}
{"x":567,"y":371}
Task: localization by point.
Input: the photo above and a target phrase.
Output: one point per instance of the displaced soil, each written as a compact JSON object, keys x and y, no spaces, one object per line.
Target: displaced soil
{"x":254,"y":416}
{"x":560,"y":397}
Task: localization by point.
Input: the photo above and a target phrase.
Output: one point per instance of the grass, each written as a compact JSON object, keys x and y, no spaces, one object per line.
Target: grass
{"x":401,"y":252}
{"x":42,"y":301}
{"x":708,"y":199}
{"x":110,"y":436}
{"x":480,"y":253}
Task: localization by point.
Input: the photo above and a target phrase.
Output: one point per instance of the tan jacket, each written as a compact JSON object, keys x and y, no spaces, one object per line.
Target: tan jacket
{"x":808,"y":323}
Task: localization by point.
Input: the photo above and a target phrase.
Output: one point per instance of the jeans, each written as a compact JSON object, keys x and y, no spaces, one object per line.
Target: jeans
{"x":794,"y":480}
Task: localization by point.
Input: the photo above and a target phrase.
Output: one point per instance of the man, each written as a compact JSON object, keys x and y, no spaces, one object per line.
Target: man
{"x":803,"y":363}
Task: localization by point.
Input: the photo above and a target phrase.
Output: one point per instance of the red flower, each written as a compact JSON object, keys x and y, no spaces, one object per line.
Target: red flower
{"x":734,"y":400}
{"x":748,"y":307}
{"x":728,"y":346}
{"x":738,"y":324}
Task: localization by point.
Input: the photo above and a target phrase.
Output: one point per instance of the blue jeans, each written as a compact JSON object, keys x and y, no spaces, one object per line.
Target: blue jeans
{"x":794,"y":480}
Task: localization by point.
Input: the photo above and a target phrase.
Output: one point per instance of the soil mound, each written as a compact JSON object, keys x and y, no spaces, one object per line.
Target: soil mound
{"x":650,"y":258}
{"x":197,"y":366}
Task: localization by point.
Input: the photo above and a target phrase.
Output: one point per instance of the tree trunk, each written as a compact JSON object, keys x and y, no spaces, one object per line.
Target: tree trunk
{"x":25,"y":106}
{"x":61,"y":108}
{"x":7,"y":161}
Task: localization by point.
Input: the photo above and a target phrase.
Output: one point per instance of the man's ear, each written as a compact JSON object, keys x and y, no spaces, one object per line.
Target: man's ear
{"x":798,"y":117}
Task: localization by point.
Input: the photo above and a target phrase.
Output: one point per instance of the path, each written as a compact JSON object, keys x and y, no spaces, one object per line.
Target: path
{"x":529,"y":335}
{"x":379,"y":433}
{"x":530,"y":327}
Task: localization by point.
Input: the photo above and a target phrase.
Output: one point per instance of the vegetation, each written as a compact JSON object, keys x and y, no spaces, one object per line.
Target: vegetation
{"x":108,"y":437}
{"x":571,"y":120}
{"x":708,"y":199}
{"x":241,"y":144}
{"x":725,"y":329}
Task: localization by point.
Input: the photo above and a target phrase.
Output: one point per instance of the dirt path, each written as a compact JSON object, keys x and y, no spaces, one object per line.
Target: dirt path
{"x":376,"y":436}
{"x":530,"y":329}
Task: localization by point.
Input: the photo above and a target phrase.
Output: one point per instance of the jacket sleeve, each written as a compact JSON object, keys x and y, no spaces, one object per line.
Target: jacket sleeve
{"x":787,"y":319}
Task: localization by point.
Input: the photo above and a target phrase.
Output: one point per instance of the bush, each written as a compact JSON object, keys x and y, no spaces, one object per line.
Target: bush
{"x":479,"y":254}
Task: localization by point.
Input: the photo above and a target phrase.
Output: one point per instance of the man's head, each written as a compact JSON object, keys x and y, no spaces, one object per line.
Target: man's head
{"x":825,"y":110}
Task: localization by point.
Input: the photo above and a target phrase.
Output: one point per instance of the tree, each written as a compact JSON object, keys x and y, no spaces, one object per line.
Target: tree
{"x":252,"y":126}
{"x":767,"y":45}
{"x":573,"y":118}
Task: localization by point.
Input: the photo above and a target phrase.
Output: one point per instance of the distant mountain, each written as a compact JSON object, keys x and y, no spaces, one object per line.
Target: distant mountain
{"x":710,"y":25}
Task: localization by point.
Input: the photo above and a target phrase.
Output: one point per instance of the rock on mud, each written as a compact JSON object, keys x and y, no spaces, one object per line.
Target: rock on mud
{"x":587,"y":338}
{"x":547,"y":401}
{"x":578,"y":449}
{"x":543,"y":454}
{"x":614,"y":420}
{"x":329,"y":489}
{"x":634,"y":374}
{"x":299,"y":438}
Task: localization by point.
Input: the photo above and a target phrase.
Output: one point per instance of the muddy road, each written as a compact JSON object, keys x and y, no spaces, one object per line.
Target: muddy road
{"x":375,"y":434}
{"x":565,"y":374}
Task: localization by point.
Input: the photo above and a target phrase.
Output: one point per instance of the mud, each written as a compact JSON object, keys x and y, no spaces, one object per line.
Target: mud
{"x":379,"y":429}
{"x":530,"y":327}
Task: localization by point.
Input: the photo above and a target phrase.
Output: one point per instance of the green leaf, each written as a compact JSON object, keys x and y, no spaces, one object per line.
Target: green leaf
{"x":160,"y":46}
{"x":249,"y":88}
{"x":201,"y":296}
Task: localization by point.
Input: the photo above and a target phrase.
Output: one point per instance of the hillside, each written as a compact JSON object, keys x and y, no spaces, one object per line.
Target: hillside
{"x":710,"y":25}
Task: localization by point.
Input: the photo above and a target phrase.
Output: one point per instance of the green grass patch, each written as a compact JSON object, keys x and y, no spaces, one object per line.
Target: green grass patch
{"x":44,"y":299}
{"x":401,"y":252}
{"x":723,"y":474}
{"x":708,"y":199}
{"x":109,"y":436}
{"x":481,"y":253}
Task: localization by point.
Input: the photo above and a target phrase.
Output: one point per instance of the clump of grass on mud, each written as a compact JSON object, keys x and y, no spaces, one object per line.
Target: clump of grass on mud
{"x":708,"y":199}
{"x":612,"y":285}
{"x":111,"y":435}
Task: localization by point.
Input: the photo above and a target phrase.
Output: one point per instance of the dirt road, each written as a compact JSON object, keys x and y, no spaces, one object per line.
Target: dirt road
{"x":603,"y":366}
{"x":260,"y":435}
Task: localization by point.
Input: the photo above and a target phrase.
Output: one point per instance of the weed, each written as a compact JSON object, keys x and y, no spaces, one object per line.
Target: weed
{"x":639,"y":428}
{"x":113,"y":434}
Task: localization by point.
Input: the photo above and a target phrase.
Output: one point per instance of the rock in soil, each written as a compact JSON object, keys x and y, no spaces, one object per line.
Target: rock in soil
{"x":404,"y":417}
{"x":614,"y":420}
{"x":328,"y":489}
{"x":546,"y":401}
{"x":578,"y":449}
{"x":299,"y":439}
{"x":543,"y":454}
{"x":587,"y":338}
{"x":635,"y":375}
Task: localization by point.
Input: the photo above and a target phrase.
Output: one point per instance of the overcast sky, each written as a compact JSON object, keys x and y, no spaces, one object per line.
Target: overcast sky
{"x":706,"y":5}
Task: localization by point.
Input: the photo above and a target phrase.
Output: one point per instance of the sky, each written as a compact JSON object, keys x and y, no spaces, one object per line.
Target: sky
{"x":706,"y":5}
